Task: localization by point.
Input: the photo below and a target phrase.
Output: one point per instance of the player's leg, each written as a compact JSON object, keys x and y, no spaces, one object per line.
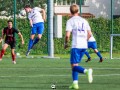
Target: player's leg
{"x":12,"y":45}
{"x":30,"y":44}
{"x":3,"y":50}
{"x":98,"y":54}
{"x":36,"y":40}
{"x":88,"y":56}
{"x":87,"y":53}
{"x":13,"y":56}
{"x":40,"y":29}
{"x":96,"y":51}
{"x":76,"y":57}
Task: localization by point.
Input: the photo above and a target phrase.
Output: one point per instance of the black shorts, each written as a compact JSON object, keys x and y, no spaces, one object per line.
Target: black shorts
{"x":12,"y":44}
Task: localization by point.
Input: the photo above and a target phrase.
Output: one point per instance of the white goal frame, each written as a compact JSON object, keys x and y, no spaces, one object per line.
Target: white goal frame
{"x":111,"y":45}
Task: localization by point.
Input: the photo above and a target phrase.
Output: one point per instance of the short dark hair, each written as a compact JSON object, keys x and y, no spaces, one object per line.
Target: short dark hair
{"x":27,"y":6}
{"x":9,"y":21}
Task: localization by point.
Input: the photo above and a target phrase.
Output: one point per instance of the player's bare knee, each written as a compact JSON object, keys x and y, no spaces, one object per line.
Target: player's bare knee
{"x":73,"y":65}
{"x":95,"y":50}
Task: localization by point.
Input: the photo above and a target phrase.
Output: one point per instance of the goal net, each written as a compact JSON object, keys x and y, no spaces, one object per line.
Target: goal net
{"x":115,"y":46}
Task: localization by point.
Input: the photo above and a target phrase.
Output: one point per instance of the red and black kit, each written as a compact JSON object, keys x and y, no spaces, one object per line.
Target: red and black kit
{"x":9,"y":34}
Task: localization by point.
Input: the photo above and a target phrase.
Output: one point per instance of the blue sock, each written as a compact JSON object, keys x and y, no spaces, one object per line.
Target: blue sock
{"x":99,"y":55}
{"x":87,"y":54}
{"x":30,"y":44}
{"x":35,"y":41}
{"x":78,"y":69}
{"x":74,"y":75}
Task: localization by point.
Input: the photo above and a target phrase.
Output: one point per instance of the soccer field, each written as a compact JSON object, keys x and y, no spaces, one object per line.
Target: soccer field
{"x":40,"y":74}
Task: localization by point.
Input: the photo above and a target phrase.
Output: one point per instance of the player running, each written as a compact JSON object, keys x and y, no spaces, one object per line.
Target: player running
{"x":9,"y":34}
{"x":36,"y":23}
{"x":92,"y":44}
{"x":81,"y":32}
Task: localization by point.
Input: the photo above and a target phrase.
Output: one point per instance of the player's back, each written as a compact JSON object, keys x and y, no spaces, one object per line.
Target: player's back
{"x":79,"y":27}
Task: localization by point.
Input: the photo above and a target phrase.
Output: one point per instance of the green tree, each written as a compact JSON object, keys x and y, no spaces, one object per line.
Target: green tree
{"x":6,"y":6}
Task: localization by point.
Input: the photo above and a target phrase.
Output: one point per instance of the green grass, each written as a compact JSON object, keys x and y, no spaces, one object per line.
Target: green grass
{"x":40,"y":74}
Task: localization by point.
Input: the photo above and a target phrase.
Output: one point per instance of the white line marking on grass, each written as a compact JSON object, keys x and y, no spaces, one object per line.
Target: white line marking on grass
{"x":57,"y":76}
{"x":59,"y":68}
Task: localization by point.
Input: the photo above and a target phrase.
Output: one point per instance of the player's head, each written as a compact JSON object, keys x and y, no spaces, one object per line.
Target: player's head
{"x":27,"y":8}
{"x":10,"y":23}
{"x":74,"y":9}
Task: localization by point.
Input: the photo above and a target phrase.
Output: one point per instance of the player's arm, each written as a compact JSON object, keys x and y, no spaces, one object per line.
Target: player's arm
{"x":31,"y":23}
{"x":20,"y":35}
{"x":30,"y":20}
{"x":3,"y":34}
{"x":67,"y":38}
{"x":89,"y":34}
{"x":68,"y":33}
{"x":43,"y":14}
{"x":0,"y":39}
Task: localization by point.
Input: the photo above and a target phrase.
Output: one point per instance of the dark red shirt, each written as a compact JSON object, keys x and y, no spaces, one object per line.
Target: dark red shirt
{"x":10,"y":34}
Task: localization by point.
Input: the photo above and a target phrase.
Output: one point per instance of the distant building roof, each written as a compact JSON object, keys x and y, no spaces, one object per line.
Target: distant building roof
{"x":85,"y":15}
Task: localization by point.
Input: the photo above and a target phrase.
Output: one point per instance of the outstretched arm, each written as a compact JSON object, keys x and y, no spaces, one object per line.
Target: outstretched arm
{"x":43,"y":14}
{"x":21,"y":37}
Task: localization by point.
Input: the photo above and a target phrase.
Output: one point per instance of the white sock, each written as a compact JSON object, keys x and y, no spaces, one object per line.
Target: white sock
{"x":85,"y":71}
{"x":75,"y":81}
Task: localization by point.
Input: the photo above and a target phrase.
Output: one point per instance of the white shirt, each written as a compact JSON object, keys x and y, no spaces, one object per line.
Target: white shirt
{"x":78,"y":26}
{"x":91,"y":39}
{"x":35,"y":15}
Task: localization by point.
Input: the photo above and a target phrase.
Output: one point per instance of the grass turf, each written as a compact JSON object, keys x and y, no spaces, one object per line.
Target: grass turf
{"x":40,"y":74}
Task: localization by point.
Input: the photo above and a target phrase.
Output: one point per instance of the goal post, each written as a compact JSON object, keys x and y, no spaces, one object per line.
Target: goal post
{"x":114,"y":46}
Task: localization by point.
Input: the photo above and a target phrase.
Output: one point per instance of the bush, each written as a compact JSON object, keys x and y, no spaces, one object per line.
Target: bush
{"x":100,"y":28}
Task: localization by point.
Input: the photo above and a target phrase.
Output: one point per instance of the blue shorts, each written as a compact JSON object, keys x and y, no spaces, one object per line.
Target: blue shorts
{"x":92,"y":45}
{"x":76,"y":55}
{"x":37,"y":28}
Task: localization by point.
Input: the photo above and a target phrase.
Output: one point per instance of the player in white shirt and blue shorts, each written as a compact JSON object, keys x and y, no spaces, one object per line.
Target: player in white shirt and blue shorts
{"x":92,"y":44}
{"x":37,"y":24}
{"x":81,"y":32}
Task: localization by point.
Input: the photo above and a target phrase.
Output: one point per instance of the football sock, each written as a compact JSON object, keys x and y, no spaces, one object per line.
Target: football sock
{"x":85,"y":71}
{"x":2,"y":53}
{"x":87,"y":54}
{"x":35,"y":41}
{"x":13,"y":57}
{"x":78,"y":69}
{"x":74,"y":75}
{"x":99,"y":55}
{"x":30,"y":44}
{"x":75,"y":81}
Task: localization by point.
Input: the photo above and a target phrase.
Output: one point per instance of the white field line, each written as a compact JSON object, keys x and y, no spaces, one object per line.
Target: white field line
{"x":105,"y":75}
{"x":60,"y":68}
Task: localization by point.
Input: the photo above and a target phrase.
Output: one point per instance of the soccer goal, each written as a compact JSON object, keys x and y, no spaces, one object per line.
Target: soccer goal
{"x":115,"y":46}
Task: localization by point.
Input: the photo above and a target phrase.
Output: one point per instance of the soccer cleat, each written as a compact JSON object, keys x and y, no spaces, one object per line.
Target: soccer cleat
{"x":74,"y":86}
{"x":89,"y":59}
{"x":101,"y":60}
{"x":14,"y":62}
{"x":89,"y":74}
{"x":27,"y":53}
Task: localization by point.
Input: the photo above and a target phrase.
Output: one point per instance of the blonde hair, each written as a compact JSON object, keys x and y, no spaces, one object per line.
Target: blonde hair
{"x":74,"y":9}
